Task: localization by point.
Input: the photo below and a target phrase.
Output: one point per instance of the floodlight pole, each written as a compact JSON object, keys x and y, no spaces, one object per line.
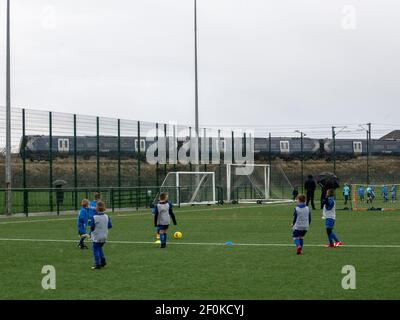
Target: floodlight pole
{"x":368,"y":131}
{"x":8,"y":119}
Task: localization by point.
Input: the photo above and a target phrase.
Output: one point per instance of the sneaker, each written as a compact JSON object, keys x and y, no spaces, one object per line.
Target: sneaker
{"x":95,"y":267}
{"x":103,"y":263}
{"x":338,"y":244}
{"x":299,"y":250}
{"x":163,"y":245}
{"x":330,"y":245}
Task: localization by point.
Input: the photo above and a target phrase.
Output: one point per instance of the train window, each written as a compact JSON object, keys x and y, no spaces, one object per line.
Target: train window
{"x":284,"y":145}
{"x":357,"y":146}
{"x":142,"y":145}
{"x":63,"y":145}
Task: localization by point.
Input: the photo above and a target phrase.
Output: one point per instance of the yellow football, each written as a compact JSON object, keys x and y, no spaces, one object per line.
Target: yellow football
{"x":178,"y":235}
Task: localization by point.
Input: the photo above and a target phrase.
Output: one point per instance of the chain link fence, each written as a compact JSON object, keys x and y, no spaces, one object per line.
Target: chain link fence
{"x":89,"y":153}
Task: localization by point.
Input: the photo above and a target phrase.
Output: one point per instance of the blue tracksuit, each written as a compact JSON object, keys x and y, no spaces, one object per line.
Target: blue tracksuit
{"x":385,"y":193}
{"x":92,"y":210}
{"x":83,"y":220}
{"x":82,"y":223}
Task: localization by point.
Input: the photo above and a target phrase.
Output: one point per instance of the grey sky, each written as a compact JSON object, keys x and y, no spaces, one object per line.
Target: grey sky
{"x":261,"y":62}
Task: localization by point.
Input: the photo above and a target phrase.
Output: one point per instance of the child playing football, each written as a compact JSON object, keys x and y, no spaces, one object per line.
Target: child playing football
{"x":301,"y":222}
{"x":162,"y":217}
{"x":393,"y":190}
{"x":82,"y":223}
{"x":370,"y":194}
{"x":99,"y":225}
{"x":92,"y":208}
{"x":346,"y":193}
{"x":361,"y":193}
{"x":329,"y":214}
{"x":385,"y":193}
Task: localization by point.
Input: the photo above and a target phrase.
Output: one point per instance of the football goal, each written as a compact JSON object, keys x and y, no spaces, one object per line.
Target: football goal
{"x":187,"y":187}
{"x":247,"y":183}
{"x":252,"y":183}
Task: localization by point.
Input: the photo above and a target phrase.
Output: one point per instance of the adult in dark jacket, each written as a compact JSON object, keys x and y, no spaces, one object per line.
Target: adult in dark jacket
{"x":310,"y":185}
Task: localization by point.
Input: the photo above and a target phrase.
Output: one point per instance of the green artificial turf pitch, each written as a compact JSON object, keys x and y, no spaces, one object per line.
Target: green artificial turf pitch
{"x":260,"y":264}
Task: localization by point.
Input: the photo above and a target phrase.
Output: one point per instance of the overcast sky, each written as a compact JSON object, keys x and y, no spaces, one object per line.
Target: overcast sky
{"x":261,"y":62}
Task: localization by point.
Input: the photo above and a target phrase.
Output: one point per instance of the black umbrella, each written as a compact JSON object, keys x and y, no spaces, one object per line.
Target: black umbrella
{"x":328,"y":180}
{"x":59,"y":183}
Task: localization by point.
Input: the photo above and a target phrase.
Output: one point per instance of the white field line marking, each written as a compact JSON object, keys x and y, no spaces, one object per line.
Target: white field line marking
{"x":205,"y":243}
{"x":134,"y":214}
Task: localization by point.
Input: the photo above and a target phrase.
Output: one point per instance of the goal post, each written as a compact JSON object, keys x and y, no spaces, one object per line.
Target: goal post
{"x":190,"y":187}
{"x":247,"y":182}
{"x":256,"y":183}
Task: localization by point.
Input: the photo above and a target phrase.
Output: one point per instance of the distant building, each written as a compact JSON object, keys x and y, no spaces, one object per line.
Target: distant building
{"x":394,"y":135}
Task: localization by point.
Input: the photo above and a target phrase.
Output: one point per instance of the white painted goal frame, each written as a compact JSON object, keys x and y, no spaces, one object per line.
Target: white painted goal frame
{"x":179,"y":185}
{"x":265,"y":178}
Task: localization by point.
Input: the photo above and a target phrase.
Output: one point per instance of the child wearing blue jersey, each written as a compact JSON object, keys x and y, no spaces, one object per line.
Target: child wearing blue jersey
{"x":99,"y":226}
{"x":83,"y":223}
{"x":385,"y":193}
{"x":162,"y":217}
{"x":361,"y":193}
{"x":301,"y":222}
{"x":370,"y":194}
{"x":393,"y":190}
{"x":346,"y":193}
{"x":329,"y":214}
{"x":93,"y":204}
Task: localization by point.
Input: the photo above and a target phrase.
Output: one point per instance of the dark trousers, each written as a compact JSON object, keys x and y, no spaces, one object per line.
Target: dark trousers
{"x":98,"y":253}
{"x":310,"y":198}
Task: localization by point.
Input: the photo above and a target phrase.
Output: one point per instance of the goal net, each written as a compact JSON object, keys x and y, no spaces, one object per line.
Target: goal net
{"x":253,"y":183}
{"x":374,"y":197}
{"x":186,"y":187}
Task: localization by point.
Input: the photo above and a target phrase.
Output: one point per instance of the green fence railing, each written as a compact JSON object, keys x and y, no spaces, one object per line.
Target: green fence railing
{"x":33,"y":200}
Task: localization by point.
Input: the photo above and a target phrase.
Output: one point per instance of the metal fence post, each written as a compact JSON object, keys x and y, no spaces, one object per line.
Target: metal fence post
{"x":157,"y":164}
{"x":112,"y":200}
{"x":51,"y":161}
{"x":175,"y":138}
{"x":23,"y":155}
{"x":119,"y":163}
{"x":368,"y":151}
{"x":204,"y":149}
{"x":334,"y":149}
{"x":219,"y":157}
{"x":138,"y":166}
{"x":190,"y":139}
{"x":232,"y":182}
{"x":75,"y":166}
{"x":165,"y":136}
{"x":270,"y":160}
{"x":98,"y":152}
